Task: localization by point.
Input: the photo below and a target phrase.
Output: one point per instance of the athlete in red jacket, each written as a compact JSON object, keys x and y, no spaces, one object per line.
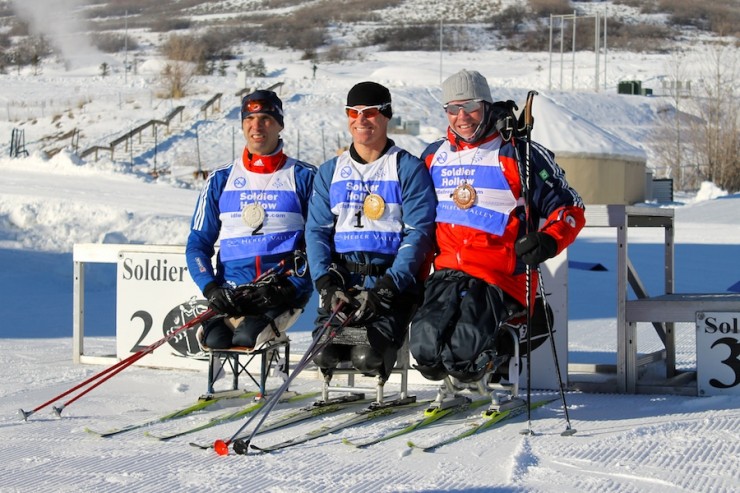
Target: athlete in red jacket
{"x":482,"y":244}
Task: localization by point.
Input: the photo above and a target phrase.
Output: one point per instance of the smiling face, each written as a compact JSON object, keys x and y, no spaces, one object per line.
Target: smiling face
{"x":464,"y":116}
{"x":368,"y":132}
{"x":262,"y":133}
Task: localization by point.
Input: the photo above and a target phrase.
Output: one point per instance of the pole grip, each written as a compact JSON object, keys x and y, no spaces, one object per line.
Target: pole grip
{"x":528,"y":120}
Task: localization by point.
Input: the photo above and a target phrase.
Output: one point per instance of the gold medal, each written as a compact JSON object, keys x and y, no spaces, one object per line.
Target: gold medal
{"x":373,"y":206}
{"x":464,"y":196}
{"x":253,"y":215}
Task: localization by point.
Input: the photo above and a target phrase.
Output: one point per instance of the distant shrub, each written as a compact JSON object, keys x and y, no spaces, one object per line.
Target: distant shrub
{"x":291,"y":32}
{"x":509,"y":21}
{"x":279,"y":4}
{"x":218,"y":42}
{"x":165,"y":24}
{"x":253,"y":68}
{"x":639,"y":37}
{"x":422,"y":37}
{"x":537,"y":38}
{"x":176,"y":78}
{"x":719,"y":16}
{"x":113,"y":43}
{"x":30,"y":51}
{"x":5,"y":41}
{"x":120,"y":8}
{"x":183,"y":49}
{"x":645,"y":6}
{"x":416,"y":37}
{"x":336,"y":54}
{"x":544,"y":8}
{"x":18,"y":28}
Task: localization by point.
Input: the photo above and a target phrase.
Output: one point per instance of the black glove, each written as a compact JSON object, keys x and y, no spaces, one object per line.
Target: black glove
{"x":377,"y":301}
{"x":266,"y":295}
{"x":331,"y":293}
{"x":220,"y":299}
{"x":535,"y":248}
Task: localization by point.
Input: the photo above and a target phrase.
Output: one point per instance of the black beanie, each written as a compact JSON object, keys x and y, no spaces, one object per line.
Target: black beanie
{"x":370,"y":94}
{"x":273,"y":106}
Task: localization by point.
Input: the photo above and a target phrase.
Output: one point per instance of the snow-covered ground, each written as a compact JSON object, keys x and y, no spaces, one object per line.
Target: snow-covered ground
{"x":624,"y":443}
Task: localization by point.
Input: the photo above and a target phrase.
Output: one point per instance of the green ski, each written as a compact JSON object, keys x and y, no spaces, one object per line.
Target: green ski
{"x":430,"y":416}
{"x":198,"y":406}
{"x":354,"y":419}
{"x":489,"y":420}
{"x":297,"y":416}
{"x":229,"y":416}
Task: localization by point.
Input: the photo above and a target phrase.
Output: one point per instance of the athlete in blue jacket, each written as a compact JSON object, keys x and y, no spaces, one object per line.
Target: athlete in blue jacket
{"x":255,"y":207}
{"x":368,"y":234}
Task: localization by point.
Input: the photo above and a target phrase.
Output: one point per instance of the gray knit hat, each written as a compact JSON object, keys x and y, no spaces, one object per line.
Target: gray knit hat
{"x":466,"y":84}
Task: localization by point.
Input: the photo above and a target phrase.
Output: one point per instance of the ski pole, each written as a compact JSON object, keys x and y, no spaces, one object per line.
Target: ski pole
{"x":528,"y":123}
{"x":568,"y":430}
{"x":242,"y":446}
{"x":136,"y":357}
{"x":116,"y":368}
{"x":222,"y":446}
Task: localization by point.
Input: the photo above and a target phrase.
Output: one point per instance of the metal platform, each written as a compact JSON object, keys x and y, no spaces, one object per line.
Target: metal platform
{"x":654,"y":372}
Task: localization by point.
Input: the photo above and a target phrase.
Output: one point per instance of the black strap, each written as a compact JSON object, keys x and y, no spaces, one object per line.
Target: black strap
{"x":365,"y":269}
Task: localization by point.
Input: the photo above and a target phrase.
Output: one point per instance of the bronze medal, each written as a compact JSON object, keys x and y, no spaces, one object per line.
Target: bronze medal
{"x":464,"y":196}
{"x":373,"y":206}
{"x":253,"y":215}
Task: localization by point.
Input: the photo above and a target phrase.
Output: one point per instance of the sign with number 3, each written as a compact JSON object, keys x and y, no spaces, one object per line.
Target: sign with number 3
{"x":718,"y":353}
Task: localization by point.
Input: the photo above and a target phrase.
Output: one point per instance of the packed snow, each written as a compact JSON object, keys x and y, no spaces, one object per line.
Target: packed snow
{"x":625,"y":443}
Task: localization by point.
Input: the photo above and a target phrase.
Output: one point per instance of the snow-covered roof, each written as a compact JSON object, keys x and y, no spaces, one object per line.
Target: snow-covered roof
{"x":570,"y":135}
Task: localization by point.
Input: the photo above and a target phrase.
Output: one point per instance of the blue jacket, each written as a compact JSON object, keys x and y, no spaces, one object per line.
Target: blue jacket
{"x":203,"y":237}
{"x":418,"y":202}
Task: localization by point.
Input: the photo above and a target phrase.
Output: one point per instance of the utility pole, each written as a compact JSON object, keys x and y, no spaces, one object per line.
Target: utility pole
{"x":440,"y":51}
{"x":125,"y":48}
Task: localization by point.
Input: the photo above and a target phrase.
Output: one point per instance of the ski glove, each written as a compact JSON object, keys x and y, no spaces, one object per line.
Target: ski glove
{"x":265,"y":296}
{"x":330,"y":292}
{"x":377,"y":301}
{"x":535,"y":248}
{"x":221,"y":299}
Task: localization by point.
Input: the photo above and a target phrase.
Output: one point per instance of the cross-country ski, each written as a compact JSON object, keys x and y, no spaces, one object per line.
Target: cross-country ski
{"x":201,"y":405}
{"x":227,"y":417}
{"x":489,"y":420}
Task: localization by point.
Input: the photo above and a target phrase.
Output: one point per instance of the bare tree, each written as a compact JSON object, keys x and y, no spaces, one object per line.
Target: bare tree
{"x":696,"y":138}
{"x":716,"y":140}
{"x":183,"y":55}
{"x":176,"y":78}
{"x":672,"y":125}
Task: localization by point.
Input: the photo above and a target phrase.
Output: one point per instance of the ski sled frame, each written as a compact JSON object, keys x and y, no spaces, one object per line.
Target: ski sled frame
{"x":239,"y":359}
{"x":272,"y":348}
{"x":352,"y":390}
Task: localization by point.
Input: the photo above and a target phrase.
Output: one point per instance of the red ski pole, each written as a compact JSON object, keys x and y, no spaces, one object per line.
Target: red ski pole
{"x":116,"y":368}
{"x":125,"y":363}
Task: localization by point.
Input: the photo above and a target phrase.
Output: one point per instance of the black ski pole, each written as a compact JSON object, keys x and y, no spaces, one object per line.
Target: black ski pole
{"x":241,"y":446}
{"x":528,"y":177}
{"x":568,"y":430}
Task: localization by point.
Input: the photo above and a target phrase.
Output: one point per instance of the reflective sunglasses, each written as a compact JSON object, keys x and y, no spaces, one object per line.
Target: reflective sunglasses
{"x":258,"y":105}
{"x":468,"y":106}
{"x":368,"y":111}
